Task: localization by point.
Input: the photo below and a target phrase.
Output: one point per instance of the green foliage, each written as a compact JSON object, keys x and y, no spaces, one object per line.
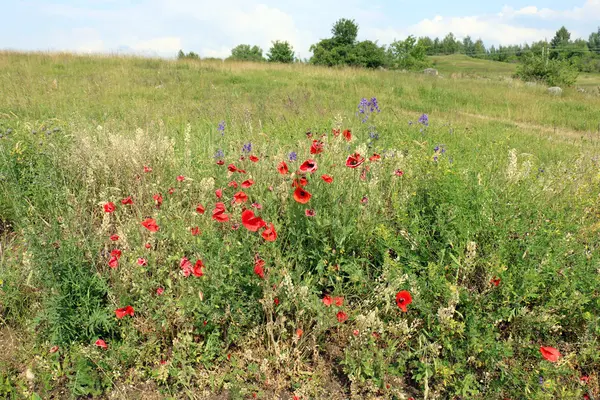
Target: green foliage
{"x":344,"y":32}
{"x":189,"y":56}
{"x":245,"y":52}
{"x":553,"y":72}
{"x":408,"y":54}
{"x":281,"y":52}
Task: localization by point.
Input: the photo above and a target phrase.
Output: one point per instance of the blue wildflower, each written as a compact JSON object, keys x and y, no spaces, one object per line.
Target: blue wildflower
{"x":221,"y":127}
{"x":424,"y":119}
{"x":247,"y":148}
{"x":292,"y":156}
{"x":219,"y":154}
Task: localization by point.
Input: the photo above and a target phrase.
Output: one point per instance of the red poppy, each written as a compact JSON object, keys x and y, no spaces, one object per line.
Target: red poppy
{"x":258,"y":268}
{"x":114,"y":238}
{"x":122,"y":312}
{"x":150,"y":224}
{"x":148,"y":245}
{"x":327,"y":178}
{"x":54,"y":349}
{"x":299,"y":333}
{"x":338,"y":301}
{"x":336,"y":132}
{"x":219,"y":213}
{"x":347,"y":135}
{"x":364,"y":201}
{"x":233,"y":184}
{"x":231,"y":168}
{"x":240,"y":197}
{"x":109,"y":207}
{"x":356,"y":332}
{"x":252,"y":222}
{"x":269,"y":233}
{"x":160,"y":291}
{"x":116,"y":253}
{"x":158,"y":199}
{"x":198,"y":268}
{"x":142,"y":261}
{"x":363,"y":174}
{"x":301,"y":195}
{"x":550,"y":353}
{"x":282,"y":168}
{"x":308,"y":166}
{"x":101,"y":343}
{"x":180,"y":178}
{"x":241,"y":171}
{"x":186,"y":266}
{"x":327,"y":300}
{"x":258,"y":206}
{"x":253,"y":158}
{"x":219,"y":193}
{"x":195,"y":231}
{"x":398,"y":172}
{"x":495,"y":281}
{"x":247,"y":183}
{"x":127,"y":201}
{"x":200,"y":209}
{"x":276,"y":301}
{"x":301,"y":182}
{"x":171,"y":190}
{"x":147,"y":169}
{"x":309,"y":212}
{"x":113,"y":262}
{"x":403,"y":299}
{"x":220,"y":162}
{"x":354,"y":160}
{"x":316,"y":147}
{"x":584,"y":379}
{"x":375,"y":157}
{"x":342,"y":317}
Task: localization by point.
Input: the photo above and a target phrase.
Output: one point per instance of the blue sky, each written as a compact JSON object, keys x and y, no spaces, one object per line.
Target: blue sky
{"x":212,"y":28}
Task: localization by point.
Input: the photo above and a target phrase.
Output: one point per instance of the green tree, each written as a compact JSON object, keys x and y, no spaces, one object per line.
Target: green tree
{"x":560,"y":44}
{"x":449,"y":44}
{"x":468,"y":46}
{"x":594,"y":42}
{"x":367,"y":54}
{"x":426,"y":43}
{"x":345,"y":32}
{"x":281,"y":52}
{"x":245,"y":52}
{"x":408,"y":54}
{"x":479,"y":49}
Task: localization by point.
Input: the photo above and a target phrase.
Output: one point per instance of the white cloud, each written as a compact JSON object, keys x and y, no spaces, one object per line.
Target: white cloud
{"x":161,"y":45}
{"x":589,"y":11}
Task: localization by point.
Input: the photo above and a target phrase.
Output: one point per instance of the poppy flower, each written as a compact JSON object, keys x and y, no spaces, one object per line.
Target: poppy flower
{"x":356,"y":332}
{"x":235,"y":227}
{"x":327,"y":300}
{"x":198,"y":268}
{"x":109,"y":207}
{"x":186,"y":266}
{"x":240,"y":197}
{"x":116,"y":253}
{"x":127,"y":201}
{"x":276,"y":301}
{"x":150,"y":224}
{"x":342,"y":317}
{"x":495,"y":281}
{"x":584,"y":379}
{"x":338,"y":301}
{"x":219,"y":213}
{"x":158,"y":199}
{"x":282,"y":168}
{"x":258,"y":268}
{"x":231,"y":168}
{"x":269,"y":233}
{"x":101,"y":343}
{"x":327,"y":178}
{"x":364,"y":201}
{"x":195,"y":231}
{"x":147,"y":169}
{"x":200,"y":209}
{"x":301,"y":195}
{"x":398,"y":172}
{"x":122,"y":312}
{"x":403,"y":299}
{"x":114,"y":238}
{"x":148,"y":245}
{"x":219,"y":193}
{"x":347,"y":134}
{"x":252,"y":222}
{"x":160,"y":291}
{"x":258,"y":206}
{"x":253,"y":158}
{"x":354,"y":160}
{"x":54,"y":349}
{"x":220,"y":162}
{"x":300,"y":182}
{"x":113,"y":262}
{"x":375,"y":157}
{"x":299,"y":333}
{"x":241,"y":171}
{"x":550,"y":353}
{"x":336,"y":132}
{"x":316,"y":147}
{"x":233,"y":184}
{"x":247,"y":183}
{"x":308,"y":166}
{"x":171,"y":190}
{"x":363,"y":175}
{"x":180,"y":178}
{"x":142,"y":261}
{"x":309,"y":212}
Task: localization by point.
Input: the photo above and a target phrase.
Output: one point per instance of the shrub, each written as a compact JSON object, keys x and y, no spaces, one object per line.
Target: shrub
{"x":553,"y":72}
{"x":245,"y":52}
{"x":281,"y":52}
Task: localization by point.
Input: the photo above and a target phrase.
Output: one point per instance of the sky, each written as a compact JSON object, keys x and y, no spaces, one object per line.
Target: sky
{"x":212,"y":28}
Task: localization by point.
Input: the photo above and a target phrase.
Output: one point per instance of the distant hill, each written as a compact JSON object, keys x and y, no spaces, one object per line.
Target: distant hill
{"x":460,"y":63}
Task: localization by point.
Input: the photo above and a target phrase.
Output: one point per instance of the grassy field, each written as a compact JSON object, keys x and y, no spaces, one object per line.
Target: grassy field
{"x":426,"y":257}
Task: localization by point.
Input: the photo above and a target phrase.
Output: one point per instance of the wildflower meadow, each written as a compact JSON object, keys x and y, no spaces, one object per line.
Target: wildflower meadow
{"x":209,"y":230}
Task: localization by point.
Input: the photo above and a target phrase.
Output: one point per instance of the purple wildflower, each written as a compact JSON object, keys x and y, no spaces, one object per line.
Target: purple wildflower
{"x":221,"y":127}
{"x":424,"y":119}
{"x":292,"y":156}
{"x":247,"y":148}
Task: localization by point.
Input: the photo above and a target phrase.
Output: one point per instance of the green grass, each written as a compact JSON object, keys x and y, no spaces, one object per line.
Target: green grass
{"x":502,"y":184}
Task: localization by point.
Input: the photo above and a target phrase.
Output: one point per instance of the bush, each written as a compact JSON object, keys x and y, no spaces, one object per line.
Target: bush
{"x":245,"y":52}
{"x":553,"y":72}
{"x":281,"y":52}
